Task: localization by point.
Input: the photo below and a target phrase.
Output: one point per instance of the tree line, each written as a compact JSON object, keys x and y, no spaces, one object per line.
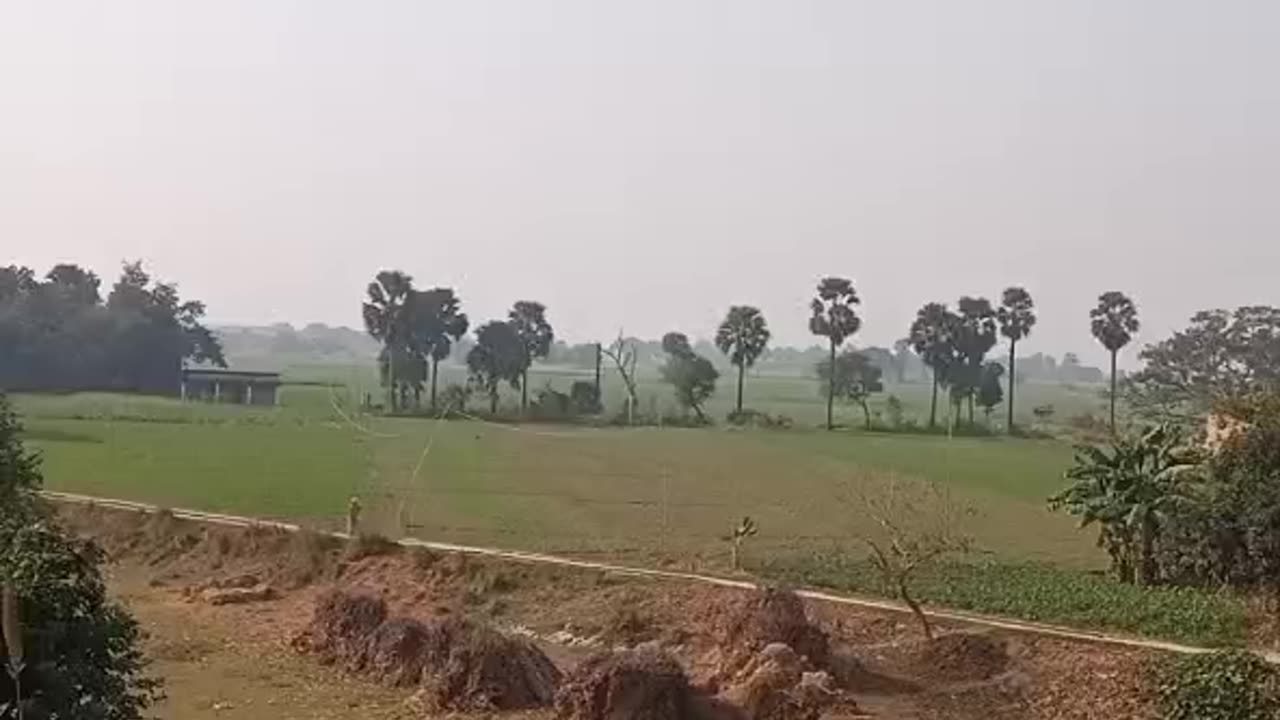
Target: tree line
{"x":417,"y":329}
{"x":57,"y":332}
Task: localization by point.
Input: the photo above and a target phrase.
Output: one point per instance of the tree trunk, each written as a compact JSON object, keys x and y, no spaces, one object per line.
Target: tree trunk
{"x":493,"y":401}
{"x":1147,"y":562}
{"x":435,"y":370}
{"x":417,"y":396}
{"x":1113,"y":392}
{"x":1009,"y":425}
{"x":742,"y":368}
{"x":866,"y":414}
{"x":933,"y":403}
{"x":905,"y":593}
{"x":971,"y":407}
{"x":831,"y":387}
{"x":524,"y":392}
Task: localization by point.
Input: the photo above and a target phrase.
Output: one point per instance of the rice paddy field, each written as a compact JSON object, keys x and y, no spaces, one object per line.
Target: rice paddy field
{"x":646,"y":494}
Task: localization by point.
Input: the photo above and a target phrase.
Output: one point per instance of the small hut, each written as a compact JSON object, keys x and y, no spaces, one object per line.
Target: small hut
{"x":242,"y":387}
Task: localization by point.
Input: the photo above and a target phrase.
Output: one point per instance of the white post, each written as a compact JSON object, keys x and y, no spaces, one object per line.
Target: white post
{"x":217,"y":390}
{"x":182,"y":391}
{"x":248,"y":393}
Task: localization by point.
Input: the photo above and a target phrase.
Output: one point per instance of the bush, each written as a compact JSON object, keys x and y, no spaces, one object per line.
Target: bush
{"x":755,"y":418}
{"x":584,"y":398}
{"x":1226,"y":685}
{"x":82,"y":651}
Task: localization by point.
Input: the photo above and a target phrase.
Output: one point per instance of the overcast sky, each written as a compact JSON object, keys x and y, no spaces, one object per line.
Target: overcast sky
{"x":643,"y":165}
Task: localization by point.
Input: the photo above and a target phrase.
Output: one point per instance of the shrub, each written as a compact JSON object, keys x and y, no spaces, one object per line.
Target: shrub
{"x":82,"y":651}
{"x":1225,"y":685}
{"x":584,"y":398}
{"x":758,"y":419}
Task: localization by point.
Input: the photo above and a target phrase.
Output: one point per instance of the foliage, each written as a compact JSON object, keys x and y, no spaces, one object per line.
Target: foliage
{"x":757,"y":418}
{"x":1224,"y":685}
{"x":386,"y":319}
{"x":692,"y":376}
{"x":1113,"y":322}
{"x":933,"y":337}
{"x":584,"y":398}
{"x":529,"y":320}
{"x":854,"y":380}
{"x":990,"y":393}
{"x":893,"y":409}
{"x":1219,"y":355}
{"x":58,"y":334}
{"x":743,"y":336}
{"x":974,"y":336}
{"x":82,"y":653}
{"x":1017,"y":317}
{"x":1035,"y":592}
{"x":498,"y":357}
{"x":1131,"y":490}
{"x":834,"y":317}
{"x":454,"y":397}
{"x":437,"y":322}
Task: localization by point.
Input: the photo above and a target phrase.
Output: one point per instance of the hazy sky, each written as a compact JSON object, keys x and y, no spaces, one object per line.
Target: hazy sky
{"x":644,"y":165}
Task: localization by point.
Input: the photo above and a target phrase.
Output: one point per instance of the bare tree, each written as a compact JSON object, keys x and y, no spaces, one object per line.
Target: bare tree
{"x":916,"y":523}
{"x":623,"y":355}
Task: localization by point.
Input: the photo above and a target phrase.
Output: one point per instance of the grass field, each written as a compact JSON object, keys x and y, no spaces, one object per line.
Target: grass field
{"x":629,"y":493}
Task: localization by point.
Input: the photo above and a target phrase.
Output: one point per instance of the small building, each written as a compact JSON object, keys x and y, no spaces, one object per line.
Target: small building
{"x":241,"y":387}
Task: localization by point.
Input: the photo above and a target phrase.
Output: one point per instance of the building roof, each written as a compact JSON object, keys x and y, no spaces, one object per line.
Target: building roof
{"x":225,"y":374}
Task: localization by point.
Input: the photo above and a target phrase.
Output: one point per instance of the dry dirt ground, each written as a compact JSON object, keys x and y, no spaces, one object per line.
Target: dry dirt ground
{"x":238,"y":660}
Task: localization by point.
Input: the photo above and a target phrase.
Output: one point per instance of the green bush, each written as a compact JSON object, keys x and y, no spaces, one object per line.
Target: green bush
{"x":1040,"y":593}
{"x":1225,"y":685}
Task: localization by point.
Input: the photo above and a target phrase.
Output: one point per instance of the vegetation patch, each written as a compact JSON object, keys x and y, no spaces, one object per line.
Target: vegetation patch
{"x":1039,"y":593}
{"x":1227,"y":685}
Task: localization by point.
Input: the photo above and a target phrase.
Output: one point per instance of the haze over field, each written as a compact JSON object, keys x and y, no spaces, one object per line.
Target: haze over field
{"x":645,"y":165}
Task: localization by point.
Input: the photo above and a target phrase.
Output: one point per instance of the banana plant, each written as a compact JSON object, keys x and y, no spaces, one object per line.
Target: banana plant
{"x":1129,"y":488}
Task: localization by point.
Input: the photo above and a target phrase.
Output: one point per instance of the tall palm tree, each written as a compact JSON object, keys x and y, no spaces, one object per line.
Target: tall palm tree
{"x":835,"y":318}
{"x":976,"y":335}
{"x":1114,"y":322}
{"x":1017,"y":317}
{"x":386,"y":320}
{"x":438,"y":323}
{"x":933,"y":337}
{"x":529,"y":320}
{"x":743,"y":336}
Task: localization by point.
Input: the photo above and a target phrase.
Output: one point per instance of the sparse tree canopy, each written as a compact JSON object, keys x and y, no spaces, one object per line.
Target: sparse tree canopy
{"x":529,"y":319}
{"x":1017,"y":318}
{"x":1114,"y":322}
{"x":990,"y":393}
{"x":437,"y":322}
{"x":498,"y":356}
{"x":855,"y":379}
{"x":692,"y":376}
{"x":743,"y":336}
{"x":834,"y":316}
{"x":975,"y":336}
{"x":1220,"y":355}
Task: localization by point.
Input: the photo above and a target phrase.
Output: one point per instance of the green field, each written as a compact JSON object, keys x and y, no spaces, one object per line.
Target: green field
{"x":631,"y":493}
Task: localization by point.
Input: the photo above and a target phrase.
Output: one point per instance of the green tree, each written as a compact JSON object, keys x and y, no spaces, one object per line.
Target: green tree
{"x":1114,"y":322}
{"x":387,"y":320}
{"x":692,"y":376}
{"x":1017,"y":318}
{"x":1130,"y":489}
{"x":854,"y":380}
{"x":990,"y":393}
{"x":529,"y":319}
{"x":933,"y":337}
{"x":437,"y":322}
{"x":743,"y":336}
{"x":498,"y":356}
{"x":79,"y":654}
{"x":975,"y":336}
{"x":834,"y":316}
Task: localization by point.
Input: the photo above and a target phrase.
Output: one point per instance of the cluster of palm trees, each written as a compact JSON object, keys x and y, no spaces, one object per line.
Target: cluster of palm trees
{"x":417,"y":329}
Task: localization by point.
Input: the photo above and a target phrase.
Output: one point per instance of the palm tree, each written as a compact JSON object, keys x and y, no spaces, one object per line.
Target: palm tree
{"x":529,"y":320}
{"x":1129,"y":490}
{"x":742,"y":336}
{"x":834,"y":318}
{"x":932,"y":336}
{"x":438,"y":322}
{"x":1114,"y":322}
{"x":1017,"y":317}
{"x":498,"y":356}
{"x":976,"y":334}
{"x":387,"y":321}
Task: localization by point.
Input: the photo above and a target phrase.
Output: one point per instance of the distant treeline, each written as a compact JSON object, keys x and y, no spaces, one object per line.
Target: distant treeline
{"x":59,"y":333}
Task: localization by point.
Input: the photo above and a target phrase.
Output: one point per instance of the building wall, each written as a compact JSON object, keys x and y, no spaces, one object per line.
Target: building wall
{"x":235,"y":391}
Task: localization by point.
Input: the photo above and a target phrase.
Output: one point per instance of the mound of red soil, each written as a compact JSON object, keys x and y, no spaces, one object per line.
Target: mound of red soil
{"x":643,"y":683}
{"x":744,"y":625}
{"x":775,"y":686}
{"x":461,"y":665}
{"x":963,"y":656}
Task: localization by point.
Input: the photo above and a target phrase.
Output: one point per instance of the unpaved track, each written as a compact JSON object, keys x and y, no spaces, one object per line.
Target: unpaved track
{"x":539,"y":558}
